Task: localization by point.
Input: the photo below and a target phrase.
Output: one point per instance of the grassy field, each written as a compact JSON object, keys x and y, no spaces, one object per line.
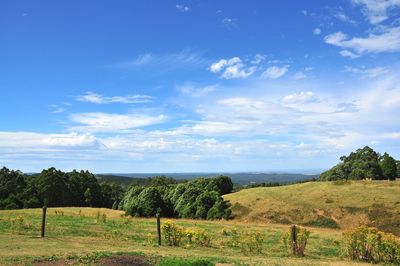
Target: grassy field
{"x":322,"y":204}
{"x":80,"y":235}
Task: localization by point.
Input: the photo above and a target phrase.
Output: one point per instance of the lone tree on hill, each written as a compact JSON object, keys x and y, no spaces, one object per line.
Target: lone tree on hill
{"x":389,"y":167}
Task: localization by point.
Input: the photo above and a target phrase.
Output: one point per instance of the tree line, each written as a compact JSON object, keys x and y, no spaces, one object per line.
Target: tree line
{"x":200,"y":198}
{"x":54,"y":188}
{"x":364,"y":163}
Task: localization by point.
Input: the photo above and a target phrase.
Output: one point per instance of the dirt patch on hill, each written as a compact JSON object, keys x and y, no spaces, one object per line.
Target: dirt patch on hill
{"x":124,"y":260}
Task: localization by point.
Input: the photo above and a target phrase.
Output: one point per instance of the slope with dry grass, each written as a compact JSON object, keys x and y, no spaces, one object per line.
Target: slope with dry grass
{"x":323,"y":204}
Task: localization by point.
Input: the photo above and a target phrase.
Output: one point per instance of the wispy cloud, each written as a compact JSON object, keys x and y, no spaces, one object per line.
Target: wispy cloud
{"x":108,"y":122}
{"x":184,"y":58}
{"x":367,"y":72}
{"x":387,"y":41}
{"x":377,"y":10}
{"x":96,"y":98}
{"x":194,"y":90}
{"x":340,"y":15}
{"x":182,"y":8}
{"x":230,"y":23}
{"x":275,"y":72}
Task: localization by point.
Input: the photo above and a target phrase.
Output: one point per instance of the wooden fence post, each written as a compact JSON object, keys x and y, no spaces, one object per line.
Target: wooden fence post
{"x":293,"y":237}
{"x":158,"y":228}
{"x":44,"y":221}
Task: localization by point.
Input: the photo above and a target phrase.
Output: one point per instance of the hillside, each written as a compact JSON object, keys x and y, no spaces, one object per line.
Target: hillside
{"x":337,"y":204}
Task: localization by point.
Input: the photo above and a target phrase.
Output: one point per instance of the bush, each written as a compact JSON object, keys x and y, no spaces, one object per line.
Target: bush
{"x":202,"y":238}
{"x":371,"y":245}
{"x":172,"y":233}
{"x":247,"y":242}
{"x":297,"y":247}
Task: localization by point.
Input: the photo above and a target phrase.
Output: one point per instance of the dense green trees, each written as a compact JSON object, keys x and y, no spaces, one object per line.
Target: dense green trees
{"x":55,"y":188}
{"x":362,"y":164}
{"x":197,"y":199}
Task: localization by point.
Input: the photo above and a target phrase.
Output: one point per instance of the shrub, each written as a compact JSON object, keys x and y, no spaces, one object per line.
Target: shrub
{"x":297,"y":247}
{"x":371,"y":245}
{"x":202,"y":238}
{"x":172,"y":233}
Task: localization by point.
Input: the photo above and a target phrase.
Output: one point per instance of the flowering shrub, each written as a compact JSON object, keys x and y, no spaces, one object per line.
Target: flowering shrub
{"x":369,"y":244}
{"x":172,"y":233}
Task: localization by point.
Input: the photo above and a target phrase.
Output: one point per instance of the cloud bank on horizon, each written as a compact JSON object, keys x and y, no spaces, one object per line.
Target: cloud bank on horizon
{"x":197,"y":86}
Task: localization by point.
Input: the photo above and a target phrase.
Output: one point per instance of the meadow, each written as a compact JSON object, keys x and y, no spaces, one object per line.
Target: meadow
{"x":82,"y":236}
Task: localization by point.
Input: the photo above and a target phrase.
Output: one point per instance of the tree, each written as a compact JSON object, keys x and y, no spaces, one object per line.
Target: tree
{"x":389,"y":168}
{"x":362,"y":164}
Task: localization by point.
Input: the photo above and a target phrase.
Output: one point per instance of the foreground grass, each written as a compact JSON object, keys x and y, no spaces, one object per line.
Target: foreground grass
{"x":323,"y":204}
{"x":77,"y":232}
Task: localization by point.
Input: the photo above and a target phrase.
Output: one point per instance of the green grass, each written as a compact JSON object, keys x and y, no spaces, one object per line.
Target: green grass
{"x":78,"y":234}
{"x":323,"y":204}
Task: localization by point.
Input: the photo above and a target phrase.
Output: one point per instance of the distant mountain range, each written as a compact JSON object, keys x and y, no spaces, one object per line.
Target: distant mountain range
{"x":237,"y":178}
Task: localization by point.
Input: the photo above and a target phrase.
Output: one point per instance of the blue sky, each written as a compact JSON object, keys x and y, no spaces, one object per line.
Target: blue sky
{"x":188,"y":86}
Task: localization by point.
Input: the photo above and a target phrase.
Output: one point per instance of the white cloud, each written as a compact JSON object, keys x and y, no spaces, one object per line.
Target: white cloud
{"x":232,"y":68}
{"x":367,"y":72}
{"x":317,"y":31}
{"x":387,"y":41}
{"x":376,"y":10}
{"x":105,"y":122}
{"x":96,"y":98}
{"x":43,"y":140}
{"x":275,"y":72}
{"x":347,"y":53}
{"x":301,"y":97}
{"x":182,"y":8}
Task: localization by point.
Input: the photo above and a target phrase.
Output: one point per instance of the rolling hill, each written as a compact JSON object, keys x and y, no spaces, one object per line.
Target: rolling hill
{"x":340,"y":204}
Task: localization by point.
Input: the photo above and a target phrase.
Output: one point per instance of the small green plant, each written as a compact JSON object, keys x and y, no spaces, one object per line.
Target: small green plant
{"x":295,"y":240}
{"x":101,"y":218}
{"x":185,"y":262}
{"x":113,"y":234}
{"x":18,"y":225}
{"x":369,"y":244}
{"x":172,"y":233}
{"x":57,"y":212}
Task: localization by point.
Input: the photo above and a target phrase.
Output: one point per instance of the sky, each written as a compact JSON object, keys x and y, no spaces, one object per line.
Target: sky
{"x":197,"y":86}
